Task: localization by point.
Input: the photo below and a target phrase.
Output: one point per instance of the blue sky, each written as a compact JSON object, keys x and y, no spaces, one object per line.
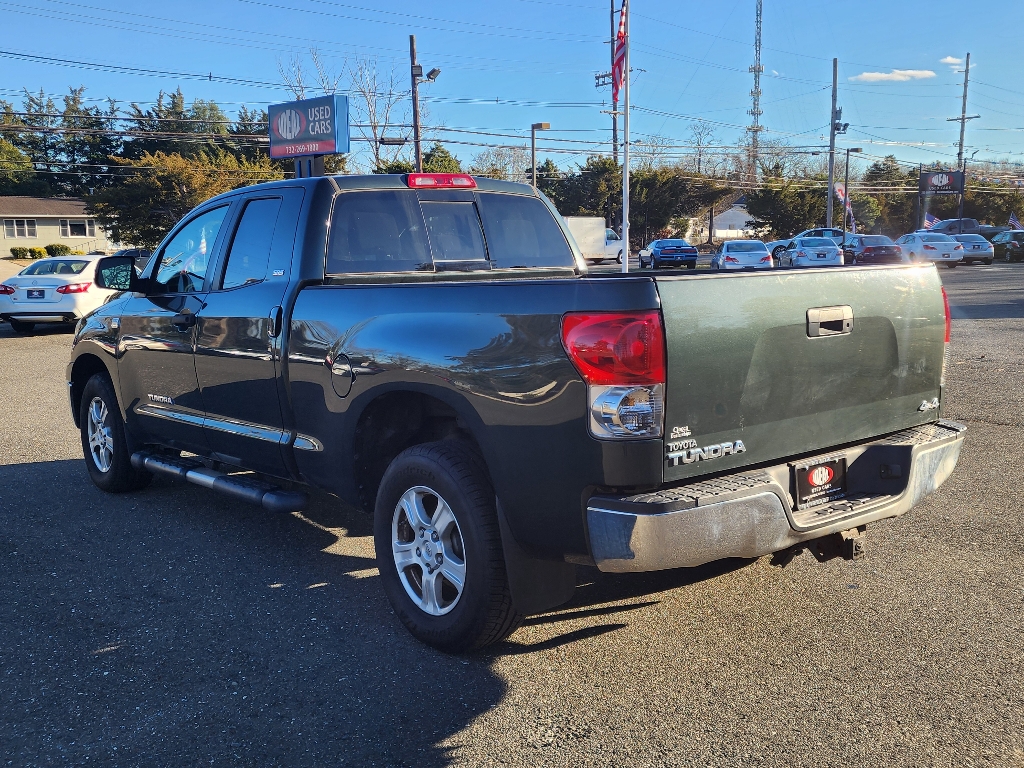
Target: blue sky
{"x":897,"y":65}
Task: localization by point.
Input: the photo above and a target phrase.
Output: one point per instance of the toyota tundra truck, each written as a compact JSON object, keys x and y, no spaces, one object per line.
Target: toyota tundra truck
{"x":431,"y":348}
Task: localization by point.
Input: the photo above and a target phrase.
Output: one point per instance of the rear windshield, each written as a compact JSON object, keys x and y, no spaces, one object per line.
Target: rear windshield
{"x":746,"y":247}
{"x":55,"y":267}
{"x":936,"y":238}
{"x":876,"y":240}
{"x":816,"y":242}
{"x":970,"y":238}
{"x":397,"y":231}
{"x":521,"y":232}
{"x":673,"y":244}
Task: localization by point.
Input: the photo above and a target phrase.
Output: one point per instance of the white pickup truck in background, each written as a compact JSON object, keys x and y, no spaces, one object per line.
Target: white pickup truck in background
{"x":597,"y":242}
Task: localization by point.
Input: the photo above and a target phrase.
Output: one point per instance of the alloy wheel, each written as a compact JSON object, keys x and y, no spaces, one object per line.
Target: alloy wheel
{"x":101,"y":437}
{"x":429,"y":551}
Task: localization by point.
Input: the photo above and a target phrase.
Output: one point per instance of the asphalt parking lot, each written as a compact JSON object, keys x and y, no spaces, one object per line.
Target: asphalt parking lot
{"x":176,"y":627}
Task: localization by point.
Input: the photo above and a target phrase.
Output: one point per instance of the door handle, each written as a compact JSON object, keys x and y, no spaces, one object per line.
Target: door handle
{"x":829,"y":321}
{"x":183,"y":321}
{"x":275,"y":321}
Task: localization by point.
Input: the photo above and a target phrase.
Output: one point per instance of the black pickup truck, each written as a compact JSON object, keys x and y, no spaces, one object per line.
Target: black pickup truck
{"x":431,"y":347}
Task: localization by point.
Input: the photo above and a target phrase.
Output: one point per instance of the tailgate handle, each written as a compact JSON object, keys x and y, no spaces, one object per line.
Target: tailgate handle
{"x":829,"y":321}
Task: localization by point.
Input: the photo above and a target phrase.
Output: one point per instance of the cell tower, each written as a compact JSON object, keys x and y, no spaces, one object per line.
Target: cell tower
{"x":755,"y":126}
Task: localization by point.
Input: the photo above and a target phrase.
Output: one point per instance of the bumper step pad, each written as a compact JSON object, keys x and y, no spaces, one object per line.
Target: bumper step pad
{"x":242,"y":487}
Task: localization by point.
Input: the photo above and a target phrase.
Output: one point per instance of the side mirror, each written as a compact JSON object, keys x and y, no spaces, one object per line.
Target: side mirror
{"x":117,"y":273}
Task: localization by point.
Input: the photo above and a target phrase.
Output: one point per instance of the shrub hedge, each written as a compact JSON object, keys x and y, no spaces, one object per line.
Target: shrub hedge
{"x":58,"y":249}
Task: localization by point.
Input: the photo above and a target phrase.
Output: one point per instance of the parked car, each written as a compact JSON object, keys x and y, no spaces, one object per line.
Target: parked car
{"x":431,"y":347}
{"x":1009,"y":245}
{"x":663,"y":253}
{"x":966,"y":227}
{"x":835,"y":235}
{"x":597,"y":242}
{"x":871,"y":249}
{"x":59,"y":289}
{"x":140,"y":256}
{"x":742,"y":254}
{"x":932,"y":246}
{"x":976,"y":248}
{"x":811,"y":252}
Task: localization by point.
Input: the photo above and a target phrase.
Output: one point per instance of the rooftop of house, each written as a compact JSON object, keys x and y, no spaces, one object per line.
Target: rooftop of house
{"x":40,"y":207}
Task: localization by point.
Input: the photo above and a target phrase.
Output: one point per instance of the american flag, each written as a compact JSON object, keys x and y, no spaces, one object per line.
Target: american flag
{"x":619,"y":58}
{"x":1013,"y":221}
{"x":930,"y":221}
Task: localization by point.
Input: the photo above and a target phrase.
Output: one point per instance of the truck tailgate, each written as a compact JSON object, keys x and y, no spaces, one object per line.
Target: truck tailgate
{"x":747,"y":362}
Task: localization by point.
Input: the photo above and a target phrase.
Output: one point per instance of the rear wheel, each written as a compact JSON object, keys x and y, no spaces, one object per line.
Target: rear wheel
{"x":952,"y":266}
{"x":103,"y":440}
{"x":19,"y":326}
{"x":439,"y":548}
{"x":987,"y":262}
{"x":618,"y":258}
{"x":692,"y":265}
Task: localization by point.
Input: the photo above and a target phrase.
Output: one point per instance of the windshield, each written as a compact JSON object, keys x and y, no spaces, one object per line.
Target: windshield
{"x":876,"y":240}
{"x":746,"y":247}
{"x":816,"y":242}
{"x":55,"y":267}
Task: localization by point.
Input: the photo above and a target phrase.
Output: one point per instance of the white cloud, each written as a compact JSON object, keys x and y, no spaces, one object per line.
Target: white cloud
{"x":951,"y":60}
{"x":895,"y":76}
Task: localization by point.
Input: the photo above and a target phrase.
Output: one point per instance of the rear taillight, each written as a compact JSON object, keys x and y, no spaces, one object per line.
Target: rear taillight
{"x":74,"y":288}
{"x":801,"y":253}
{"x":5,"y":290}
{"x":930,"y":247}
{"x":440,"y":180}
{"x":767,"y":259}
{"x":945,"y":345}
{"x":731,"y":260}
{"x":958,"y":247}
{"x":621,"y":357}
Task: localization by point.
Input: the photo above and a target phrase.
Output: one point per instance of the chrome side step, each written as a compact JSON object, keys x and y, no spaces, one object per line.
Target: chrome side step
{"x":270,"y":497}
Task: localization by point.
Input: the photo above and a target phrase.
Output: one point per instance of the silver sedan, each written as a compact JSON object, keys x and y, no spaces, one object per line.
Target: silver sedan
{"x":742,"y":254}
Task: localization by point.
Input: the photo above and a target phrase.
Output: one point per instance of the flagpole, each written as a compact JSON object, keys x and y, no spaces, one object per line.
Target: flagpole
{"x":625,"y":151}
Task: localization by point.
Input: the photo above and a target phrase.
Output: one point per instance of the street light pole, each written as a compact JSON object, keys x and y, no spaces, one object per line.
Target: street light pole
{"x":846,"y":188}
{"x":533,"y":147}
{"x":832,"y":143}
{"x":417,"y":73}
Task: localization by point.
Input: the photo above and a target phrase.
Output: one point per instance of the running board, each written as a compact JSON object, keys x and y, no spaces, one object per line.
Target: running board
{"x":270,"y":497}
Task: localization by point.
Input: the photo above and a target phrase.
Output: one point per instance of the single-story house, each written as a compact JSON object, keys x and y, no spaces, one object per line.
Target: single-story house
{"x":35,"y":222}
{"x":730,"y":224}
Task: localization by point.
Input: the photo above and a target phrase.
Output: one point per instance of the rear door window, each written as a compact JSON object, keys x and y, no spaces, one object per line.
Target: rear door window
{"x":379,"y":231}
{"x":521,"y":232}
{"x":250,"y":248}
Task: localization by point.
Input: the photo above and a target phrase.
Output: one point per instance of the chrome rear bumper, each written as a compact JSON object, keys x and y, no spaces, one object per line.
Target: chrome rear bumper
{"x":750,"y":514}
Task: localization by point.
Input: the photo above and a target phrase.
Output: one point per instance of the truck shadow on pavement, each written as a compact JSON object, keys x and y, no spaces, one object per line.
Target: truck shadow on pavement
{"x":174,"y":626}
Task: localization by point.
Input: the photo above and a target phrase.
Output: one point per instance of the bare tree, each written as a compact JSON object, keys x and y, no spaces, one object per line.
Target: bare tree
{"x":703,"y":136}
{"x":651,"y":152}
{"x":293,"y":76}
{"x":507,"y":163}
{"x":326,"y":77}
{"x":379,"y":107}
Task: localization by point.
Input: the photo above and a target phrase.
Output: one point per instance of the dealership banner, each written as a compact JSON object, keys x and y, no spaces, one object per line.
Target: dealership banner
{"x":309,"y":127}
{"x":940,"y":182}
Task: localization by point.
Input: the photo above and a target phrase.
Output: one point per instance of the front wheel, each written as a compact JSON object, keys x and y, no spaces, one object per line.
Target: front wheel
{"x":20,"y":326}
{"x":777,"y":253}
{"x":103,"y":440}
{"x":439,"y":549}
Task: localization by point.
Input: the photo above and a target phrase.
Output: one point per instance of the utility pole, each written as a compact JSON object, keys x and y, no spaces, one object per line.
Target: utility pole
{"x":625,"y":154}
{"x":417,"y":73}
{"x":961,"y":163}
{"x":832,"y":143}
{"x":846,"y":188}
{"x":755,"y":126}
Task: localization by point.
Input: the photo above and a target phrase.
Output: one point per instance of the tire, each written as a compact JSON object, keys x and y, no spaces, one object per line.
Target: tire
{"x":103,"y":440}
{"x":412,"y":523}
{"x":19,"y":326}
{"x":778,"y":251}
{"x":692,"y":265}
{"x":618,"y":259}
{"x":951,"y":266}
{"x":987,"y":262}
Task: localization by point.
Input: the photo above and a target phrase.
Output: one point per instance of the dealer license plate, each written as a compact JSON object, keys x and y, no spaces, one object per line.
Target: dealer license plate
{"x":36,"y":293}
{"x":820,"y":483}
